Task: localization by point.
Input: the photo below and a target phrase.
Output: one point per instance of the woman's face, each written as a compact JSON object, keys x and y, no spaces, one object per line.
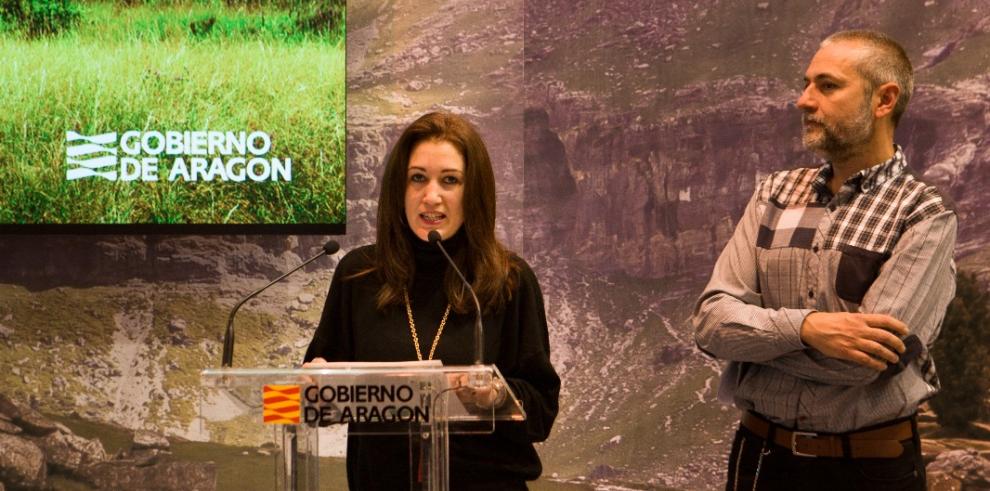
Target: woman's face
{"x":435,"y":189}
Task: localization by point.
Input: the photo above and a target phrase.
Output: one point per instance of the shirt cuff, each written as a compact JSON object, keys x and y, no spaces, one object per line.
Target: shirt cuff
{"x":787,"y":323}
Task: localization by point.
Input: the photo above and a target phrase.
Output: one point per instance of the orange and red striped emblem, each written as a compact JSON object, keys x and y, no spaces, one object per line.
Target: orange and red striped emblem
{"x":281,"y":404}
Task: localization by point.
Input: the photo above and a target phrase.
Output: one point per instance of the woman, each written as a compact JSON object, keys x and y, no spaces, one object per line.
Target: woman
{"x":399,"y":300}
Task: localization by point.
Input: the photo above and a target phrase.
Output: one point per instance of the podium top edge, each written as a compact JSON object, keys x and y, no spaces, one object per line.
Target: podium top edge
{"x":377,"y":369}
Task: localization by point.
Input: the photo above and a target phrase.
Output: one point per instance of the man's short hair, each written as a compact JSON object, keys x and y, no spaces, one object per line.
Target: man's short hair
{"x":888,"y":62}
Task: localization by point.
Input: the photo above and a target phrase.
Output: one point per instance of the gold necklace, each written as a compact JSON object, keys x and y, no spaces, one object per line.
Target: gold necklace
{"x":412,"y":328}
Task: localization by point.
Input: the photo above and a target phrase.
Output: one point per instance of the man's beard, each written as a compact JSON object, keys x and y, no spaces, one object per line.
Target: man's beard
{"x":840,"y":139}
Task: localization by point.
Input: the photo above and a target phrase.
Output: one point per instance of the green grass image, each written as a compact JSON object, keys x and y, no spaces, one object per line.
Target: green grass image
{"x":175,"y":66}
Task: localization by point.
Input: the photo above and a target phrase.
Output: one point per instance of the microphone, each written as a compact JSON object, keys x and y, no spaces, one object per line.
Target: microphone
{"x":479,"y":337}
{"x":329,"y":249}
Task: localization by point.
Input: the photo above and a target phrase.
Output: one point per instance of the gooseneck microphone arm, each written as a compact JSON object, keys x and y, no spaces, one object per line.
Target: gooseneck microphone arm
{"x":329,"y":249}
{"x":479,"y":330}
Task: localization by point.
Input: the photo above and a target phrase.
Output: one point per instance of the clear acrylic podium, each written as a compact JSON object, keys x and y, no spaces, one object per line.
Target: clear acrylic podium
{"x":422,"y":402}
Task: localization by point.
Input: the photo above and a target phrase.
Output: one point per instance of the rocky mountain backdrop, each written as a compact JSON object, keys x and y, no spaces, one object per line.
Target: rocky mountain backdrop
{"x":627,"y":136}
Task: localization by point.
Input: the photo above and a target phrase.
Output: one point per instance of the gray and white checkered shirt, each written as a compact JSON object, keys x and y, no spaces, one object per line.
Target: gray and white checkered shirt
{"x":882,"y":244}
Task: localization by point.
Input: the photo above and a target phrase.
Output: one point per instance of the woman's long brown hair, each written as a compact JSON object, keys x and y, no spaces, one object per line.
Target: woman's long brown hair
{"x":483,"y":260}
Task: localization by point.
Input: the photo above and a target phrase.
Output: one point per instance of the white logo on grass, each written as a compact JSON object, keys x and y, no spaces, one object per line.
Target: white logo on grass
{"x":88,"y":156}
{"x":188,"y":156}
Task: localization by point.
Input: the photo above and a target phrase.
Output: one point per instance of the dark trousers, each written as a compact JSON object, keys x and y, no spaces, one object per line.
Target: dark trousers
{"x":779,"y":469}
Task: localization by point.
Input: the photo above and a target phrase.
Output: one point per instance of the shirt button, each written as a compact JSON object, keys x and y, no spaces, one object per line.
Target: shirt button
{"x":811,"y":294}
{"x":814,"y":249}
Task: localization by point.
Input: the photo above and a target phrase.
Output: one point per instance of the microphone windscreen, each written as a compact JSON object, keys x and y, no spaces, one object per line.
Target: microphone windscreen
{"x":433,"y":236}
{"x":331,"y":247}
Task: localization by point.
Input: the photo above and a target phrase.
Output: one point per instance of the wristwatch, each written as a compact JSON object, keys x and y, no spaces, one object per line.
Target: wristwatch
{"x":501,"y":393}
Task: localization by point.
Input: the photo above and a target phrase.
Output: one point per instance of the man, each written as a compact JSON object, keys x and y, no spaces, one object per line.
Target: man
{"x":831,"y":290}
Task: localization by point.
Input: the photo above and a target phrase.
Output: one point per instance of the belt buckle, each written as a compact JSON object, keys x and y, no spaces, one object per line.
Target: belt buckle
{"x":794,"y":437}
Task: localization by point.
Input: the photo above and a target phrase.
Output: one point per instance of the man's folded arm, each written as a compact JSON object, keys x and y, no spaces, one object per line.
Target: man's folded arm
{"x":730,"y":321}
{"x":914,"y":286}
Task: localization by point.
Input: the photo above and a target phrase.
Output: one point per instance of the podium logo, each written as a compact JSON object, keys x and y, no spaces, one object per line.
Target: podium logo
{"x":89,"y":156}
{"x":281,"y":404}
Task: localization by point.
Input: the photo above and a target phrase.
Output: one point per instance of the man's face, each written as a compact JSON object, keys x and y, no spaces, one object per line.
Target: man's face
{"x":838,"y":107}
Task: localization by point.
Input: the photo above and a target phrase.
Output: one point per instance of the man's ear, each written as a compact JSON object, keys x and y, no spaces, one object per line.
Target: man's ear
{"x":886,"y":98}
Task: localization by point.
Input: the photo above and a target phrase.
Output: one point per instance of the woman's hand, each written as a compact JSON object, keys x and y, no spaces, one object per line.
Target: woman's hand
{"x":316,"y":363}
{"x":486,"y":396}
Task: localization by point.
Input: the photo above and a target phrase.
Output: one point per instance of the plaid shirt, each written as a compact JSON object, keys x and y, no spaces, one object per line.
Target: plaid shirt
{"x":882,"y":244}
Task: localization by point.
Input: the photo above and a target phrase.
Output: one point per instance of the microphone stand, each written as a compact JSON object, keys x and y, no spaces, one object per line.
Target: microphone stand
{"x":329,"y":248}
{"x":479,"y":337}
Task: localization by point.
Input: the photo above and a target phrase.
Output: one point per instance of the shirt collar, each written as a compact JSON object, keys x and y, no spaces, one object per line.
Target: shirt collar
{"x":875,"y":176}
{"x":864,"y":180}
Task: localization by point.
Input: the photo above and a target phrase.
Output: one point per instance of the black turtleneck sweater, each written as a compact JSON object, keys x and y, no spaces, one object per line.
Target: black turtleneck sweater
{"x":352,"y":328}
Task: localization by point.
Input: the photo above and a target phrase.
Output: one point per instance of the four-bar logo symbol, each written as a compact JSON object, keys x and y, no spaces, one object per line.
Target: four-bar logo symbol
{"x":83,"y":156}
{"x":281,"y":404}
